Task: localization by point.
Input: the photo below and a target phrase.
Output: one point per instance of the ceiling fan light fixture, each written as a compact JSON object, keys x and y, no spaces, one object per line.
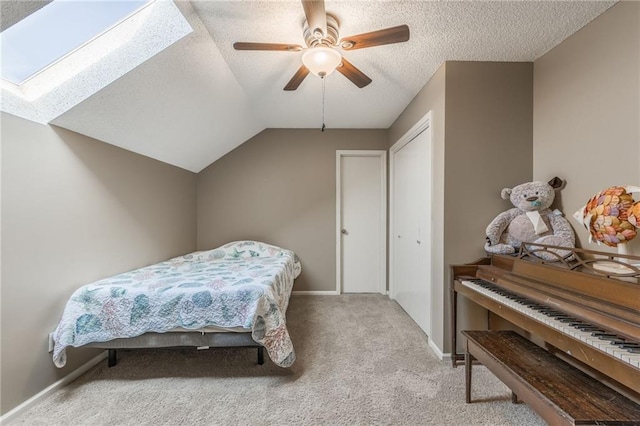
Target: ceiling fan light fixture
{"x":321,"y":60}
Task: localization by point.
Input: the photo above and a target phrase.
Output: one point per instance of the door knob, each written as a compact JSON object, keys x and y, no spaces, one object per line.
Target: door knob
{"x":344,"y":231}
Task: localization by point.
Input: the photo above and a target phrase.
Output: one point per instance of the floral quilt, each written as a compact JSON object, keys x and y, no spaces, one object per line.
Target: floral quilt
{"x":241,"y":284}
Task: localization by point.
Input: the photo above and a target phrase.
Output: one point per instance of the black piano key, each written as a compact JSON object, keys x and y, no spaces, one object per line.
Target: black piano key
{"x":588,"y":328}
{"x":604,"y":335}
{"x":634,"y":350}
{"x":630,"y":346}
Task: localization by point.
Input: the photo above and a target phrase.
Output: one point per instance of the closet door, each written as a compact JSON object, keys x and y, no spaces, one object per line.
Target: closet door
{"x":411,"y":195}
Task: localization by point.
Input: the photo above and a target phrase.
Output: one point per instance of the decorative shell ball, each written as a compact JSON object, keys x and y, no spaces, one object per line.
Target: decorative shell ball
{"x":612,"y":216}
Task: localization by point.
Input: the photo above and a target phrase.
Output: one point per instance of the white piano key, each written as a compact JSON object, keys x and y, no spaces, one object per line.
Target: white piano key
{"x":631,"y":358}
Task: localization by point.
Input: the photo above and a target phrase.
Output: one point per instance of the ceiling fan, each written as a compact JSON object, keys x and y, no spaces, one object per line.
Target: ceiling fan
{"x":322,"y":37}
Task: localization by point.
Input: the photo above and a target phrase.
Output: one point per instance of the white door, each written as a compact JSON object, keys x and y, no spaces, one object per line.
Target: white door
{"x":411,"y":227}
{"x":361,"y":221}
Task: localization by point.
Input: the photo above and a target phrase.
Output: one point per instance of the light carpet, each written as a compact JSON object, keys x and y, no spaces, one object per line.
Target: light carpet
{"x":360,"y":361}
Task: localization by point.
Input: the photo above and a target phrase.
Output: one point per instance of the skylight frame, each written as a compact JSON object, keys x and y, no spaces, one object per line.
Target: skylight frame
{"x":116,"y":24}
{"x":82,"y":75}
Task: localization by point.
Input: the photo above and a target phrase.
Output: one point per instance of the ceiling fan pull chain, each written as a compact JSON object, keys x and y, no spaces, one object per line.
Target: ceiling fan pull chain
{"x":322,"y":129}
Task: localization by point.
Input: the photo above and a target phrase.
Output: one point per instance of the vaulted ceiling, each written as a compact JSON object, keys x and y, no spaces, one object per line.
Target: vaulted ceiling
{"x":198,"y":98}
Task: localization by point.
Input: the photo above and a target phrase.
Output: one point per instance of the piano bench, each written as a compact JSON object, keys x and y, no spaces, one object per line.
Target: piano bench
{"x":560,"y":393}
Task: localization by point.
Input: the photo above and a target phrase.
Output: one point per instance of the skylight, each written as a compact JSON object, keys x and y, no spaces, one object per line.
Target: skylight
{"x":56,"y":30}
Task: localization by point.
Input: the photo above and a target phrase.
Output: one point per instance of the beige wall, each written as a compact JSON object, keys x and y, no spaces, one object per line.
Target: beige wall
{"x":482,"y":115}
{"x":75,"y":210}
{"x":488,"y":146}
{"x":587,"y":110}
{"x":280,"y":187}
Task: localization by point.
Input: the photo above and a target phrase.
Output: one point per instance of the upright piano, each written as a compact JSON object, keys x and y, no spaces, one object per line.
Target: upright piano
{"x":584,"y":307}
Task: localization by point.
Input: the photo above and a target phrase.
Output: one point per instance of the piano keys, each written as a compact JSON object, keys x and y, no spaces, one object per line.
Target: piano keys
{"x":591,"y":320}
{"x":604,"y":340}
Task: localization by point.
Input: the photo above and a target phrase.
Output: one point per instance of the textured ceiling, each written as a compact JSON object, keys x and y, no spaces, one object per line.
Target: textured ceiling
{"x":199,"y":98}
{"x":440,"y":31}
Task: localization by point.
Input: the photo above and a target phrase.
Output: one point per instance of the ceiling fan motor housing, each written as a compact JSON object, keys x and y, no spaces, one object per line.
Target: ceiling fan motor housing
{"x":329,"y":39}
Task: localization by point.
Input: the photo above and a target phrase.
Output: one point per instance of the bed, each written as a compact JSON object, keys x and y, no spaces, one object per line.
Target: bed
{"x":234,"y":295}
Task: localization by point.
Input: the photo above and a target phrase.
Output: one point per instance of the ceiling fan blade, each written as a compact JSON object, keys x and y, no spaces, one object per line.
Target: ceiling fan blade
{"x":297,"y":78}
{"x":267,"y":46}
{"x":316,"y":16}
{"x":356,"y":76}
{"x":376,"y":38}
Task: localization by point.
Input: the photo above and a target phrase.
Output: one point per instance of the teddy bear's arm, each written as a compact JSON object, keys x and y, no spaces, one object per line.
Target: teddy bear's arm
{"x":499,"y":224}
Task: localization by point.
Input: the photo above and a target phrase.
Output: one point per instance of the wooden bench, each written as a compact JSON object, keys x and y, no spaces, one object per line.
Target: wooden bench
{"x":560,"y":393}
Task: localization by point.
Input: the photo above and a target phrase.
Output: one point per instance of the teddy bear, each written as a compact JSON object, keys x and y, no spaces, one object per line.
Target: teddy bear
{"x":530,"y":220}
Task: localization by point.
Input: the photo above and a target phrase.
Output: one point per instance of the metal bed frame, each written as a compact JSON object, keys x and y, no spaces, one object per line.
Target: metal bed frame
{"x":197,"y":339}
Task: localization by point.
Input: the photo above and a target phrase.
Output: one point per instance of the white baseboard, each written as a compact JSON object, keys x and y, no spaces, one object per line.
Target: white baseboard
{"x":314,"y":293}
{"x":442,"y":356}
{"x":9,"y":415}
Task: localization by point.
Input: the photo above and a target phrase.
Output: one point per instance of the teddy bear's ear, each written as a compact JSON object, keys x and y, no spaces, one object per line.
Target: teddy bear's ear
{"x":506,"y":193}
{"x":557,"y":183}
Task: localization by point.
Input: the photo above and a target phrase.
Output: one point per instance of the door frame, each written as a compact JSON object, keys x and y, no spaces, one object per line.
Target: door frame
{"x":423,"y":125}
{"x":382,"y":155}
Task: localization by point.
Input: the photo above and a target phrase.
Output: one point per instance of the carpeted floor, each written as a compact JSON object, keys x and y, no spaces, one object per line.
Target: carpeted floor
{"x":361,"y":361}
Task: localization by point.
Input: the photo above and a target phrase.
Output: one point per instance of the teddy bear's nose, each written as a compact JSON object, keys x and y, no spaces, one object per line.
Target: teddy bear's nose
{"x":532,"y":198}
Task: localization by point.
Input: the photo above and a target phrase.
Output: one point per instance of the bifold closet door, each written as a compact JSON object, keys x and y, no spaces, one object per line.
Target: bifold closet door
{"x":411,"y":229}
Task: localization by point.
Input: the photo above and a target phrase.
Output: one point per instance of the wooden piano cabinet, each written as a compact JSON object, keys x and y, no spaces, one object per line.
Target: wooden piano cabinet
{"x":558,"y":306}
{"x":468,"y":269}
